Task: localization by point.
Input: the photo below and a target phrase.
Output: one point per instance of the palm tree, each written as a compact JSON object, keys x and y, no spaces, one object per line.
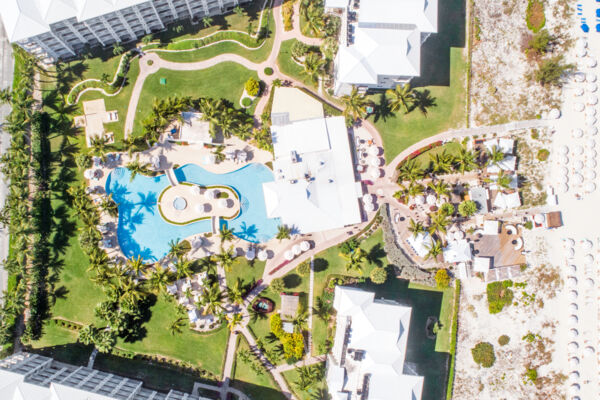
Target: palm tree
{"x":355,"y":260}
{"x":136,"y":265}
{"x":283,"y":232}
{"x":504,"y":180}
{"x":184,"y":268}
{"x":433,"y":250}
{"x":355,"y":104}
{"x":212,"y":299}
{"x":226,"y":234}
{"x":130,"y":143}
{"x":313,"y":15}
{"x":5,"y":96}
{"x":415,"y":189}
{"x":441,"y":163}
{"x":400,"y":97}
{"x":135,"y":167}
{"x":466,"y":160}
{"x":322,"y":309}
{"x":159,"y":278}
{"x":415,"y":227}
{"x":313,"y":66}
{"x":211,"y":111}
{"x":239,"y":11}
{"x":109,"y":205}
{"x":409,"y":171}
{"x":440,"y":188}
{"x":233,"y":320}
{"x":177,"y":325}
{"x":131,"y":290}
{"x":99,"y":146}
{"x":236,"y":292}
{"x":439,"y":222}
{"x":300,"y":321}
{"x":225,"y":258}
{"x":207,"y":21}
{"x":177,"y":249}
{"x":495,"y":155}
{"x":87,"y":335}
{"x":118,"y":49}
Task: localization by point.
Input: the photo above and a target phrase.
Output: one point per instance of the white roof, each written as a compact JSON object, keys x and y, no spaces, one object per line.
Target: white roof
{"x":503,"y":144}
{"x":420,"y":243}
{"x":509,"y":163}
{"x":318,"y":149}
{"x":403,"y":14}
{"x":491,"y":227}
{"x":379,"y":328}
{"x":457,"y":251}
{"x":507,"y":201}
{"x":194,"y":129}
{"x":26,"y":18}
{"x":481,"y":264}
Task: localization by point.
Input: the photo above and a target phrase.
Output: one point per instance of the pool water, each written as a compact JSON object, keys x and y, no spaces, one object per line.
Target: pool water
{"x":143,"y":232}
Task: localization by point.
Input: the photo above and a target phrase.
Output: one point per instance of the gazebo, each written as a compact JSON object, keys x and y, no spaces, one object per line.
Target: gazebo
{"x":289,"y":305}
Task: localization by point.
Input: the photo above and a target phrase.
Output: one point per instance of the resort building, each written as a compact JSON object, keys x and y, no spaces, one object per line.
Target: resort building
{"x":315,"y":187}
{"x":53,"y":29}
{"x":367,"y":358}
{"x":25,"y":376}
{"x":380,"y":41}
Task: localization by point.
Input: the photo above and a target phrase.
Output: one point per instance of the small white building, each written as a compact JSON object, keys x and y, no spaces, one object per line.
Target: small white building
{"x":421,"y":243}
{"x":369,"y":349}
{"x":507,"y":201}
{"x":193,"y":129}
{"x":457,"y":251}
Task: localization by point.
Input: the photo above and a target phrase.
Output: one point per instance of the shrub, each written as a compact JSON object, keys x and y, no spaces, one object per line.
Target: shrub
{"x":531,"y":375}
{"x":538,"y":44}
{"x":535,"y":15}
{"x":551,"y":70}
{"x":299,"y":49}
{"x":278,"y":285}
{"x":276,"y":325}
{"x":483,"y":354}
{"x":304,"y":268}
{"x":287,"y":11}
{"x":528,"y":225}
{"x":535,"y":134}
{"x":442,"y":279}
{"x":348,"y":246}
{"x":543,"y":154}
{"x":467,"y":208}
{"x":246,"y":101}
{"x":447,"y":209}
{"x":252,"y":87}
{"x":503,"y":340}
{"x":499,"y":295}
{"x":269,"y":71}
{"x":378,"y":275}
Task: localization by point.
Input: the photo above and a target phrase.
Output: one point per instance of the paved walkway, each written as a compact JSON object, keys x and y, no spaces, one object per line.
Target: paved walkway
{"x":311,"y":285}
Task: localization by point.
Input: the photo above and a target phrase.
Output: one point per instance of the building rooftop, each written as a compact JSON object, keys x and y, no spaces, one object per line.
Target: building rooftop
{"x":289,"y":305}
{"x":457,"y":251}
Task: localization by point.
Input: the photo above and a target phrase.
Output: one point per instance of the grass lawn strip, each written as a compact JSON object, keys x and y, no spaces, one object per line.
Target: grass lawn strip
{"x":289,"y":67}
{"x":291,"y":376}
{"x":423,"y":159}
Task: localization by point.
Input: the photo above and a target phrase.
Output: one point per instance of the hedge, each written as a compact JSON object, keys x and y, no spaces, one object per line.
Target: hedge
{"x":453,"y":332}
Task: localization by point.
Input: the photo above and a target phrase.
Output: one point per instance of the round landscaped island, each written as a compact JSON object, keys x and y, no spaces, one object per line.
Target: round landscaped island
{"x":187,"y":202}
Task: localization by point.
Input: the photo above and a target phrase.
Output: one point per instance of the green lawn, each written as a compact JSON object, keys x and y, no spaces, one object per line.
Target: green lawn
{"x":443,"y":338}
{"x":423,"y":159}
{"x":246,"y":271}
{"x":257,"y":387}
{"x":317,"y":392}
{"x":288,"y":66}
{"x":225,"y":80}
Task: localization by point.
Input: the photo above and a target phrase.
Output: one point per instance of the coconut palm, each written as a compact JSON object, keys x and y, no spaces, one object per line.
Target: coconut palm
{"x":439,"y":222}
{"x":283,"y":232}
{"x":5,"y":96}
{"x":465,"y":160}
{"x":131,"y":290}
{"x":87,"y":335}
{"x":135,"y":167}
{"x":313,"y":66}
{"x":225,"y":258}
{"x":400,"y":97}
{"x":226,"y":234}
{"x":130,"y":143}
{"x":211,"y":111}
{"x":99,"y":146}
{"x":495,"y":155}
{"x":233,"y":320}
{"x":355,"y":104}
{"x":159,"y":278}
{"x":300,"y":321}
{"x":211,"y":300}
{"x":409,"y":171}
{"x":177,"y":248}
{"x":322,"y":308}
{"x":236,"y":292}
{"x":355,"y":260}
{"x":184,"y":268}
{"x":433,"y":250}
{"x":136,"y":265}
{"x":504,"y":180}
{"x":118,"y":49}
{"x":415,"y":189}
{"x":415,"y":227}
{"x":441,"y":163}
{"x":440,"y":188}
{"x":177,"y":325}
{"x":207,"y":21}
{"x":313,"y":15}
{"x":109,"y":206}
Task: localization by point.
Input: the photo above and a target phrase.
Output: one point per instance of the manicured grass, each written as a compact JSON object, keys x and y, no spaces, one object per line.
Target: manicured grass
{"x":443,"y":339}
{"x":246,"y":271}
{"x":288,"y":66}
{"x":61,"y":343}
{"x":257,"y":387}
{"x":318,"y":392}
{"x":451,"y":148}
{"x":225,"y":80}
{"x":400,"y":130}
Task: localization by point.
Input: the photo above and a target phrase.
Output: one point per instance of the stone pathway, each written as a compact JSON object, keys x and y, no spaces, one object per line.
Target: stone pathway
{"x":311,"y":285}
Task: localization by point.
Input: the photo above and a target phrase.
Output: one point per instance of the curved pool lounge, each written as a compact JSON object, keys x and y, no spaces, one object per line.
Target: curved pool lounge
{"x":142,"y":231}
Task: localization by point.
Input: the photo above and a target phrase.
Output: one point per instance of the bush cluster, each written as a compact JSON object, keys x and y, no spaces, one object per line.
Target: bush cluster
{"x":483,"y":354}
{"x":252,"y":87}
{"x":499,"y":295}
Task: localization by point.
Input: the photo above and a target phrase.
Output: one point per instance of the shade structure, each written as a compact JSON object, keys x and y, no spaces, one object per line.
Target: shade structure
{"x":591,"y":87}
{"x":590,"y":163}
{"x":578,"y":91}
{"x":592,"y":130}
{"x":367,"y":198}
{"x":211,"y":194}
{"x":577,"y":133}
{"x":572,"y":282}
{"x":573,"y":362}
{"x":589,"y":283}
{"x":563,"y":170}
{"x":88,"y":173}
{"x":223,"y":203}
{"x":581,"y":43}
{"x":197,"y":243}
{"x":539,"y":218}
{"x":579,"y":77}
{"x":374,"y":151}
{"x":589,"y":351}
{"x":588,"y":259}
{"x":375,"y":161}
{"x":563,"y":188}
{"x":590,"y":174}
{"x":369,"y":207}
{"x":573,"y":376}
{"x":573,"y":346}
{"x":578,"y":106}
{"x":590,"y":77}
{"x":590,"y":143}
{"x":304,"y":246}
{"x":374,"y":173}
{"x":296,"y":249}
{"x":587,"y":244}
{"x":554,"y":114}
{"x":195,"y":189}
{"x":573,"y":307}
{"x":250,"y":254}
{"x":590,"y":111}
{"x":263,"y":255}
{"x":199,"y":207}
{"x":573,"y":320}
{"x":578,"y":150}
{"x":209,"y":159}
{"x":564,"y":149}
{"x":573,"y":332}
{"x":578,"y":179}
{"x":570,"y":253}
{"x":581,"y":53}
{"x":419,"y":199}
{"x":578,"y":165}
{"x":288,"y":255}
{"x":569,"y":242}
{"x":430,"y":199}
{"x":592,"y":99}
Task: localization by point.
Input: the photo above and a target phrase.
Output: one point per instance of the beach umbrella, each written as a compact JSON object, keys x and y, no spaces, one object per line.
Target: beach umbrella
{"x":564,"y":188}
{"x":569,"y":242}
{"x":374,"y":151}
{"x":88,"y":173}
{"x":155,"y":160}
{"x":563,"y":170}
{"x":578,"y":106}
{"x":581,"y":43}
{"x":590,"y":121}
{"x":250,"y":254}
{"x":577,"y":178}
{"x":419,"y":199}
{"x":578,"y":91}
{"x":574,"y":376}
{"x":591,"y":62}
{"x":304,"y":246}
{"x":592,"y":99}
{"x":574,"y":388}
{"x":211,"y":194}
{"x":589,"y":351}
{"x":573,"y":320}
{"x":430,"y":199}
{"x":288,"y":255}
{"x":577,"y":133}
{"x":591,"y":153}
{"x":554,"y":114}
{"x":588,"y":259}
{"x":592,"y":130}
{"x":573,"y":294}
{"x":263,"y":255}
{"x":581,"y":53}
{"x":590,"y":112}
{"x":590,"y":77}
{"x":590,"y":187}
{"x":539,"y":218}
{"x":573,"y":362}
{"x":573,"y":307}
{"x":573,"y":332}
{"x":222,"y":203}
{"x":375,"y":161}
{"x":369,"y":207}
{"x":572,"y":282}
{"x":591,"y":87}
{"x":296,"y":249}
{"x":572,"y":269}
{"x":199,"y":207}
{"x":564,"y":149}
{"x":579,"y":76}
{"x":570,"y":253}
{"x":195,"y":189}
{"x":589,"y":174}
{"x":590,"y":163}
{"x":367,"y":198}
{"x":589,"y":283}
{"x":590,"y":143}
{"x":375,"y":173}
{"x":578,"y":165}
{"x":587,"y":244}
{"x":578,"y":150}
{"x":563,"y":159}
{"x":573,"y":346}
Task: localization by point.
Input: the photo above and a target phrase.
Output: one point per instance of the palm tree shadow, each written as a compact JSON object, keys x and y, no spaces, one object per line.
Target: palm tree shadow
{"x":382,"y":109}
{"x":423,"y":101}
{"x":147,"y":201}
{"x":376,"y":255}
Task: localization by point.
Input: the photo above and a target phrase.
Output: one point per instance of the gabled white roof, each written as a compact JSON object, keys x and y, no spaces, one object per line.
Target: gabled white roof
{"x":420,"y":243}
{"x":457,"y":251}
{"x":507,"y":201}
{"x":419,"y":14}
{"x":22,"y":19}
{"x":508,"y":163}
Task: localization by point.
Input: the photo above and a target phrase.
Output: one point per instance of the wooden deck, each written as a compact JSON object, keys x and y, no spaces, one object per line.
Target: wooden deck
{"x":500,"y":248}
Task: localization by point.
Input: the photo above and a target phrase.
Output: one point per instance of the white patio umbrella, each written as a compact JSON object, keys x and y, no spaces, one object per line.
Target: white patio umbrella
{"x":374,"y":173}
{"x":564,"y":149}
{"x":578,"y":179}
{"x":430,"y":199}
{"x":570,"y":253}
{"x":587,"y":244}
{"x":155,"y":160}
{"x":572,"y":269}
{"x":591,"y":152}
{"x":573,"y":295}
{"x":375,"y":161}
{"x":563,"y":159}
{"x":88,"y":173}
{"x":579,"y":77}
{"x":573,"y":346}
{"x":369,"y":207}
{"x":199,"y":207}
{"x":581,"y":53}
{"x":590,"y":163}
{"x":590,"y":121}
{"x":573,"y":332}
{"x":574,"y":376}
{"x":419,"y":199}
{"x":574,"y":388}
{"x":573,"y":362}
{"x":211,"y":194}
{"x":578,"y":106}
{"x":591,"y":87}
{"x":195,"y":189}
{"x":554,"y":114}
{"x":367,"y":198}
{"x":222,"y":203}
{"x":592,"y":99}
{"x":563,"y":179}
{"x":589,"y":283}
{"x":304,"y":246}
{"x":296,"y":249}
{"x":563,"y":170}
{"x":374,"y":151}
{"x":564,"y":188}
{"x":263,"y":255}
{"x":250,"y":253}
{"x":539,"y":218}
{"x":592,"y":130}
{"x":577,"y":133}
{"x":589,"y":351}
{"x":578,"y":150}
{"x":569,"y":242}
{"x":581,"y":43}
{"x":590,"y":187}
{"x":589,"y":174}
{"x":591,"y":62}
{"x":588,"y":259}
{"x":590,"y":112}
{"x":573,"y":320}
{"x":578,"y":165}
{"x":590,"y":77}
{"x":288,"y":255}
{"x":573,"y":307}
{"x":572,"y":282}
{"x":578,"y":91}
{"x":590,"y":143}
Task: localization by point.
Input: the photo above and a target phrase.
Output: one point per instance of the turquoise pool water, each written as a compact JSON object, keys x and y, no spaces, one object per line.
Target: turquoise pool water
{"x":143,"y":232}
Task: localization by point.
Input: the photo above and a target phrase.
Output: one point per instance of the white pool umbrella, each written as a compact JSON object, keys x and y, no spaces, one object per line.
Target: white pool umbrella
{"x":210,"y":194}
{"x":563,"y":187}
{"x":573,"y":320}
{"x":589,"y":174}
{"x":573,"y":307}
{"x":578,"y":150}
{"x":590,"y":143}
{"x":578,"y":106}
{"x":573,"y":332}
{"x":590,"y":163}
{"x":263,"y":255}
{"x":554,"y":114}
{"x":563,"y":159}
{"x":88,"y":173}
{"x":539,"y":218}
{"x":374,"y":151}
{"x":589,"y":351}
{"x":590,"y":121}
{"x":369,"y":207}
{"x":590,"y":112}
{"x":563,"y":170}
{"x":589,"y":283}
{"x":591,"y":152}
{"x":375,"y":161}
{"x":581,"y":43}
{"x":578,"y":165}
{"x":574,"y":376}
{"x":375,"y":173}
{"x":222,"y":203}
{"x":578,"y":91}
{"x":563,"y":179}
{"x":573,"y":294}
{"x":564,"y":149}
{"x":296,"y":249}
{"x":288,"y":255}
{"x":581,"y":53}
{"x":588,"y":259}
{"x":590,"y":187}
{"x":419,"y":199}
{"x":570,"y":253}
{"x":250,"y":254}
{"x":590,"y":77}
{"x":591,"y":87}
{"x":587,"y":244}
{"x":591,"y":62}
{"x":199,"y":208}
{"x":592,"y":99}
{"x":579,"y":77}
{"x":573,"y":362}
{"x":367,"y":198}
{"x":592,"y":130}
{"x":304,"y":246}
{"x":569,"y":242}
{"x":574,"y":388}
{"x":573,"y":346}
{"x":577,"y":179}
{"x":195,"y":189}
{"x":572,"y":282}
{"x":430,"y":199}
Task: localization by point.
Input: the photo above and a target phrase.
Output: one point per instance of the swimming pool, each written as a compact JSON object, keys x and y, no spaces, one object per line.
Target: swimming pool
{"x":143,"y":232}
